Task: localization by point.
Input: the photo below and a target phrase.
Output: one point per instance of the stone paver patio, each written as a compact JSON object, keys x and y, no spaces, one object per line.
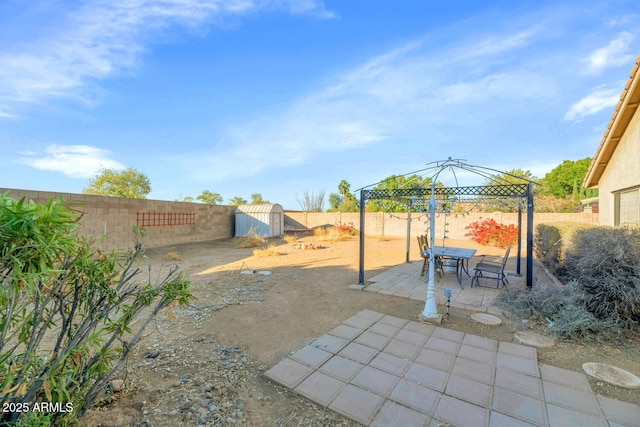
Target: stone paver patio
{"x":381,"y":370}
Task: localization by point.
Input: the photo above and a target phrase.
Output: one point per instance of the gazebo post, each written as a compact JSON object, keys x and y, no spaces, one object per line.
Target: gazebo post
{"x":530,"y":236}
{"x":519,"y":237}
{"x":361,"y":263}
{"x":430,"y":306}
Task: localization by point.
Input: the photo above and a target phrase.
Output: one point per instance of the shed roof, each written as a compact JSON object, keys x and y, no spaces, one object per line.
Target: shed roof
{"x":262,"y":208}
{"x":629,"y":101}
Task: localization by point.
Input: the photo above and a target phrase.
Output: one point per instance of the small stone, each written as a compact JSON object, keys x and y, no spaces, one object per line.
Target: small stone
{"x":117,"y":386}
{"x":186,"y":405}
{"x":152,"y":354}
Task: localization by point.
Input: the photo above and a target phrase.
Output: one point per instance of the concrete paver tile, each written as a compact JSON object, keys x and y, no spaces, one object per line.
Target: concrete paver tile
{"x":346,"y":332}
{"x":375,"y":380}
{"x":384,"y":329}
{"x":442,"y":345}
{"x":370,"y":314}
{"x":288,"y":373}
{"x":497,"y":419}
{"x":341,"y":368}
{"x":435,"y":359}
{"x":477,"y":354}
{"x":565,"y":377}
{"x":622,"y":412}
{"x":517,"y":350}
{"x":427,"y":376}
{"x":480,"y":342}
{"x":311,"y":356}
{"x":330,"y":343}
{"x":320,"y":388}
{"x":517,"y":363}
{"x":561,"y":417}
{"x":519,"y":406}
{"x":421,"y":328}
{"x":567,"y":397}
{"x":416,"y":396}
{"x":358,"y":352}
{"x":460,"y":413}
{"x":448,"y":334}
{"x":372,"y":340}
{"x":356,"y":403}
{"x":520,"y":383}
{"x":392,"y":414}
{"x":401,"y":349}
{"x":393,"y":364}
{"x":414,"y":338}
{"x":394,"y":321}
{"x":359,"y":322}
{"x":473,"y":370}
{"x":469,"y":390}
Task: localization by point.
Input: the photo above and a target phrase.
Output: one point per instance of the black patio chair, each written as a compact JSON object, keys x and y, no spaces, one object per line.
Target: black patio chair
{"x":491,"y":270}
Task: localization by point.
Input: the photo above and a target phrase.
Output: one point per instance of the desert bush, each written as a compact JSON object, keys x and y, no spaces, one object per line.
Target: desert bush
{"x":66,"y":313}
{"x":562,"y":308}
{"x":606,"y":262}
{"x":251,"y":240}
{"x":552,"y":240}
{"x":290,"y":238}
{"x":270,"y":250}
{"x":329,"y":234}
{"x":489,"y":233}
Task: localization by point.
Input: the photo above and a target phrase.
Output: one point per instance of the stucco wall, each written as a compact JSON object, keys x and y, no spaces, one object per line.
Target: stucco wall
{"x":395,"y":224}
{"x":622,"y":171}
{"x":112,"y":218}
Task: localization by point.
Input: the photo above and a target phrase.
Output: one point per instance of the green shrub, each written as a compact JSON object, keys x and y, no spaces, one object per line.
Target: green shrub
{"x":66,"y":311}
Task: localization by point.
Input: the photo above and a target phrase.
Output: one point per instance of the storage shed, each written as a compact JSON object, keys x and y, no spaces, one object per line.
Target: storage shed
{"x":264,"y":220}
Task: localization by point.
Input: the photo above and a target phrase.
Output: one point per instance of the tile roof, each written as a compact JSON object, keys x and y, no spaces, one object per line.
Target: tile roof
{"x":625,"y":109}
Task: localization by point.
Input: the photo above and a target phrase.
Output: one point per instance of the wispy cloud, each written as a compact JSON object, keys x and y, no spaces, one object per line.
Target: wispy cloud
{"x":103,"y":38}
{"x":373,"y":103}
{"x":593,"y":103}
{"x":75,"y":161}
{"x":615,"y":53}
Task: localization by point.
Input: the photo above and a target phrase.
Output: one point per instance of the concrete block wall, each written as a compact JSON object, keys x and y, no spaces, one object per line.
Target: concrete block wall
{"x":395,"y":224}
{"x":110,"y":219}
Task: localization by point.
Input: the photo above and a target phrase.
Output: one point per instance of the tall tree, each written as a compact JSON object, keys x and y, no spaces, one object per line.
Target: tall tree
{"x":565,"y":180}
{"x":311,"y":202}
{"x":210,"y":198}
{"x":344,"y":201}
{"x":513,"y":176}
{"x":256,"y":199}
{"x":126,"y":183}
{"x":185,"y":199}
{"x":237,"y":201}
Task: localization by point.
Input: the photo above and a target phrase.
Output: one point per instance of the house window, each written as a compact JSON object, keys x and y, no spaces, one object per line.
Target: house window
{"x":628,"y":207}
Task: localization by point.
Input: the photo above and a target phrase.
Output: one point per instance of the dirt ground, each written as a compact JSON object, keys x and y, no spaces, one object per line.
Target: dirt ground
{"x":203,"y":365}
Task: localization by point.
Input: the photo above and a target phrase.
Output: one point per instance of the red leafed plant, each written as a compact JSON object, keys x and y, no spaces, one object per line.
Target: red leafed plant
{"x":489,"y":233}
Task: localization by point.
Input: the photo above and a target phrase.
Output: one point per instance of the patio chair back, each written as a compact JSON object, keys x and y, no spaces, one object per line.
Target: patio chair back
{"x":492,"y":270}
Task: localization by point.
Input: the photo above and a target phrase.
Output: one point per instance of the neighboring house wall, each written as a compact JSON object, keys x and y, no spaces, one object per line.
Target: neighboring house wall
{"x":622,"y":173}
{"x":110,"y":219}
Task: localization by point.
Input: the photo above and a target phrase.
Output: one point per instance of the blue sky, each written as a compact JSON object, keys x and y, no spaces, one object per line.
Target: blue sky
{"x":281,"y":97}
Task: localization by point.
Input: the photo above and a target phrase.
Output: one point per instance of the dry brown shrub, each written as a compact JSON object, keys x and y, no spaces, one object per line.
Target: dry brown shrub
{"x":270,"y":250}
{"x":251,"y":240}
{"x":290,"y":238}
{"x":330,"y":234}
{"x":172,"y":256}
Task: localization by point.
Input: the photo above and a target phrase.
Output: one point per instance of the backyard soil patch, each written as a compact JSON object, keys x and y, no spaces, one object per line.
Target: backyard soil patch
{"x":204,"y":364}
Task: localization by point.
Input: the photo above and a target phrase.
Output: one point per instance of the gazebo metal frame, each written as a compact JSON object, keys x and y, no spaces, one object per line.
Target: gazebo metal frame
{"x":482,"y":193}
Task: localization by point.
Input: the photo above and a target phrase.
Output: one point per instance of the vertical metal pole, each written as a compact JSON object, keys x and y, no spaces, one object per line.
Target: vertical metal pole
{"x":530,"y":236}
{"x":408,"y":228}
{"x":519,"y":237}
{"x":430,"y":305}
{"x":361,"y":264}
